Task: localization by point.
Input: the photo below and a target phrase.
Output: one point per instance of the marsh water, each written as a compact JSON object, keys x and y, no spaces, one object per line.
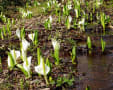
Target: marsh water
{"x":96,"y":70}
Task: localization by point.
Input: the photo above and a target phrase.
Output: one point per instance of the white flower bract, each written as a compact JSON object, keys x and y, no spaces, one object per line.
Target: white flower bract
{"x":56,"y":44}
{"x":70,"y":19}
{"x":31,"y":36}
{"x":39,"y":69}
{"x":25,"y":44}
{"x":50,"y":18}
{"x":27,"y":66}
{"x":18,"y":33}
{"x":82,"y":22}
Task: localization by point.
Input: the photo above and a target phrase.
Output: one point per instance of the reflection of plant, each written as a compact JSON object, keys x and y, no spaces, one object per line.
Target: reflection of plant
{"x":103,"y":44}
{"x":89,"y":44}
{"x":64,"y":80}
{"x":73,"y":55}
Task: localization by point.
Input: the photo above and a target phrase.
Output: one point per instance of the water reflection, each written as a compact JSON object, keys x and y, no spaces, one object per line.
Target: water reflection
{"x":94,"y":72}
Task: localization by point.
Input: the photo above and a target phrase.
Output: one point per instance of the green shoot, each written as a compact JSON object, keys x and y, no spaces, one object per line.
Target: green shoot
{"x":102,"y":17}
{"x":8,"y":29}
{"x":36,"y":38}
{"x":59,"y":17}
{"x":26,"y":67}
{"x":87,"y":88}
{"x":22,"y":33}
{"x":104,"y":20}
{"x":35,"y":3}
{"x":65,"y":10}
{"x":48,"y":63}
{"x":38,"y":55}
{"x":68,"y":22}
{"x":98,"y":3}
{"x":48,"y":22}
{"x":23,"y":70}
{"x":3,"y":18}
{"x":11,"y":62}
{"x":77,"y":8}
{"x":64,"y":80}
{"x":4,"y":30}
{"x":1,"y":34}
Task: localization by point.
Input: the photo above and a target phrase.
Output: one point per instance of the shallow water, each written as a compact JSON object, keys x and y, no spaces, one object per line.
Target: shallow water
{"x":95,"y":72}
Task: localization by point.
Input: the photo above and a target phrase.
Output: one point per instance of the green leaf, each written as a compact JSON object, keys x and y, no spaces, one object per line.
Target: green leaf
{"x":23,"y":70}
{"x":12,"y":64}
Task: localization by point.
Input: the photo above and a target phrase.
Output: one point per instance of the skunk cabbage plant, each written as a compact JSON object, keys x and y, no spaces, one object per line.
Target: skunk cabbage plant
{"x":56,"y":46}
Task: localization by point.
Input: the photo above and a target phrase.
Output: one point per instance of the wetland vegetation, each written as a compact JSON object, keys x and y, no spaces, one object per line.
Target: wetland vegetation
{"x":56,"y":45}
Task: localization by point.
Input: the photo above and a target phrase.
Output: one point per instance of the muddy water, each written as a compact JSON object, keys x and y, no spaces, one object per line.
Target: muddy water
{"x":95,"y":72}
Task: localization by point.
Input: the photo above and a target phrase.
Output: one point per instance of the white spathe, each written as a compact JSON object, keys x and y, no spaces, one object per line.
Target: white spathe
{"x":39,"y":69}
{"x":9,"y":62}
{"x":26,"y":65}
{"x":70,"y":19}
{"x":82,"y":22}
{"x":29,"y":12}
{"x":69,"y":7}
{"x":56,"y":44}
{"x":25,"y":44}
{"x":31,"y":36}
{"x":50,"y":18}
{"x":76,"y":11}
{"x":48,"y":4}
{"x":18,"y":33}
{"x":15,"y":54}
